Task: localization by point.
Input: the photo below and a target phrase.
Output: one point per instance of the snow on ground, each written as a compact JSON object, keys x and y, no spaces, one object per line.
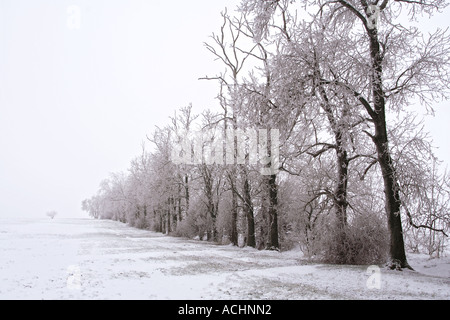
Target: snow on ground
{"x":91,"y":259}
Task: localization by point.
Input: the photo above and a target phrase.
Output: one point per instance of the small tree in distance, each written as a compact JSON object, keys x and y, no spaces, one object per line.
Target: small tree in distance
{"x":52,"y":214}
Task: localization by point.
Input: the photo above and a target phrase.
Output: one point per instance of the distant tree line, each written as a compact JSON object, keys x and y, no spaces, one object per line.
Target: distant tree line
{"x":355,"y":181}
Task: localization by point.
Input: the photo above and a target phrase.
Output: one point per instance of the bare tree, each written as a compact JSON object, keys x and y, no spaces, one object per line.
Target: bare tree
{"x":226,"y":47}
{"x":51,"y":214}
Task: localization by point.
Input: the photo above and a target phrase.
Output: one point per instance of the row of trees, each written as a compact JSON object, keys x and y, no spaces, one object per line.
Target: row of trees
{"x":349,"y":176}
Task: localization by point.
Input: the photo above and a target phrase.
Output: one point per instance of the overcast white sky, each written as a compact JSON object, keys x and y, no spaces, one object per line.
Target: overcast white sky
{"x":75,"y":104}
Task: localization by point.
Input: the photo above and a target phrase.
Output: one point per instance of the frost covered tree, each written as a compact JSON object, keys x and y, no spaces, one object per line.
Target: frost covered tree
{"x":52,"y":214}
{"x":250,"y":107}
{"x":424,"y":190}
{"x":227,"y":47}
{"x":380,"y":74}
{"x":356,"y":176}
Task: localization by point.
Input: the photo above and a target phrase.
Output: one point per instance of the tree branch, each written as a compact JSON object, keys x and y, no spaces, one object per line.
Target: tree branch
{"x":410,"y":220}
{"x":355,"y":11}
{"x":375,"y":161}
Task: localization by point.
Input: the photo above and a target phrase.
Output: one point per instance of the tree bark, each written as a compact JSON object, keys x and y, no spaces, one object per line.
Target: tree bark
{"x":397,"y":253}
{"x":340,"y":194}
{"x":179,"y":212}
{"x":210,"y":204}
{"x":273,"y":243}
{"x":248,"y":209}
{"x":234,"y":214}
{"x":340,"y":201}
{"x":168,"y":216}
{"x":186,"y":192}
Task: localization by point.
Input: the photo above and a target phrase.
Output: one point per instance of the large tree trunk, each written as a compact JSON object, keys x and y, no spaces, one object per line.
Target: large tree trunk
{"x":273,"y":243}
{"x":234,"y":216}
{"x":168,"y":216}
{"x":248,"y":209}
{"x":232,"y":178}
{"x":158,"y":222}
{"x":162,"y":221}
{"x":234,"y":207}
{"x":392,"y":202}
{"x":340,"y":194}
{"x":391,"y":189}
{"x":186,"y":192}
{"x":210,"y":204}
{"x":179,"y":212}
{"x":340,"y":202}
{"x":174,"y":214}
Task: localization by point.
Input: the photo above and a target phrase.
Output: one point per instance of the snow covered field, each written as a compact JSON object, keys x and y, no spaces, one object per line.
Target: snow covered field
{"x":89,"y":259}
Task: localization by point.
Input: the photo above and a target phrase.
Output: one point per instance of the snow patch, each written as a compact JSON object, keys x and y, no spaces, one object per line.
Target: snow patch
{"x":92,"y":259}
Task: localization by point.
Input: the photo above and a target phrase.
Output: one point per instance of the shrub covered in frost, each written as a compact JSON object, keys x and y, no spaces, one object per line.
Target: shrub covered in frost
{"x":363,"y":241}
